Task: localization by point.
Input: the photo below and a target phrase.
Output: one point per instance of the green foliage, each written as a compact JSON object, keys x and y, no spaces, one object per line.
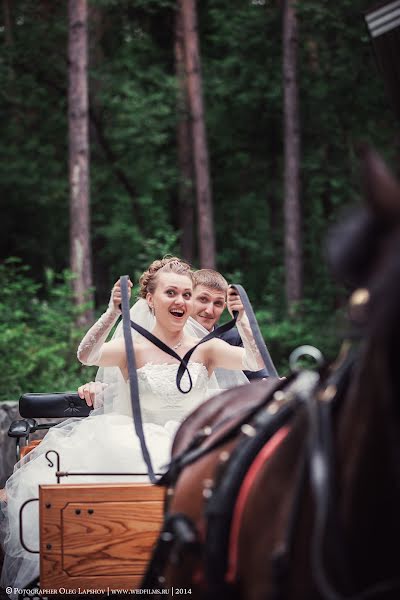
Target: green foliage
{"x":313,"y":325}
{"x":37,"y":339}
{"x":134,"y":174}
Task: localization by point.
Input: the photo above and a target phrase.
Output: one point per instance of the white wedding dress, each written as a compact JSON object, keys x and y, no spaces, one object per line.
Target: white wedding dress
{"x":101,"y":443}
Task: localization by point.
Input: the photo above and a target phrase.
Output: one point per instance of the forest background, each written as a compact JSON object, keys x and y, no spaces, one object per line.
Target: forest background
{"x":135,"y":176}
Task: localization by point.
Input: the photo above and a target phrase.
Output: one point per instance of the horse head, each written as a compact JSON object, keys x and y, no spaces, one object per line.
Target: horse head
{"x":364,"y":253}
{"x":246,"y":513}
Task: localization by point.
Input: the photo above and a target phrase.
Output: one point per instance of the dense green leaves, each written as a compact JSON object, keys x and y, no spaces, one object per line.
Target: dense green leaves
{"x":134,"y":174}
{"x":37,"y":340}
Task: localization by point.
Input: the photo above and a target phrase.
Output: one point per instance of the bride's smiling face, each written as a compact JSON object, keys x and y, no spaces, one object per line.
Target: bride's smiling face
{"x":172,"y":300}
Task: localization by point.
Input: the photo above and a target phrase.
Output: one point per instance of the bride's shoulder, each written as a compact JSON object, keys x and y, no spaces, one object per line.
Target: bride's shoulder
{"x":141,"y":347}
{"x":214,"y":343}
{"x":206,"y":351}
{"x":212,"y":348}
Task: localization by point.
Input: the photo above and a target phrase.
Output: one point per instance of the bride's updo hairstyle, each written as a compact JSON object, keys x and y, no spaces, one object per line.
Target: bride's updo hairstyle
{"x":171,"y":264}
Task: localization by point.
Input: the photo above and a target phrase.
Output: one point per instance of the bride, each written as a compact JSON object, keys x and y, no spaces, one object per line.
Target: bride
{"x":106,"y":441}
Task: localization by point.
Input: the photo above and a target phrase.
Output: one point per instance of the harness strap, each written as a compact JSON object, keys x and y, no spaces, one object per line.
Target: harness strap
{"x":133,"y":379}
{"x":256,"y":331}
{"x":322,"y":479}
{"x":178,"y":536}
{"x":282,"y":555}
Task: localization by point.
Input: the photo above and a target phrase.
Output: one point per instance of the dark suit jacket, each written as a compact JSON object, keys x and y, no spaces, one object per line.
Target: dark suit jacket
{"x":233,"y":338}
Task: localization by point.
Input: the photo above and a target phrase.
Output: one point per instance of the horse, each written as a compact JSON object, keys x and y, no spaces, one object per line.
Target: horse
{"x":291,"y":489}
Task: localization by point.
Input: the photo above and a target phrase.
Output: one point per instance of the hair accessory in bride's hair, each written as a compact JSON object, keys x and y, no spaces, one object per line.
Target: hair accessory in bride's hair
{"x":168,"y":264}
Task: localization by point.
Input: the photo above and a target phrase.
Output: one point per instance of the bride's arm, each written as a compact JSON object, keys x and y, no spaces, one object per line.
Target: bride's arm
{"x":223,"y":355}
{"x":220,"y":354}
{"x":93,"y":350}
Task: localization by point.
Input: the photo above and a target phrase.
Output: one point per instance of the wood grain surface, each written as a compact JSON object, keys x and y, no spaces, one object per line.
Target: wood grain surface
{"x":97,"y":535}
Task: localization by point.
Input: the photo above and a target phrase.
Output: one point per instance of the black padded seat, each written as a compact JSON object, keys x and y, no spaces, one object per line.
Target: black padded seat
{"x":52,"y":405}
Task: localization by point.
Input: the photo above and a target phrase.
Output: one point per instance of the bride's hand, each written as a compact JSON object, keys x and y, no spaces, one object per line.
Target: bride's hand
{"x":116,"y":296}
{"x":234,"y":303}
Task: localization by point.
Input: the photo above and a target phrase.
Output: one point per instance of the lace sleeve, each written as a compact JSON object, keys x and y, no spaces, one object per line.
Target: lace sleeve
{"x":89,"y":350}
{"x":252,"y":359}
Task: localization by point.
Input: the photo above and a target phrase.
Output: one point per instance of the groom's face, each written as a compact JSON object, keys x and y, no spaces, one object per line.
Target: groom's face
{"x":208,"y":305}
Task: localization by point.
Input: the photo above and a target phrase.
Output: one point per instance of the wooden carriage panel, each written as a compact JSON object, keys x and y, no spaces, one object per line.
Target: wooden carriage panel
{"x":94,"y":536}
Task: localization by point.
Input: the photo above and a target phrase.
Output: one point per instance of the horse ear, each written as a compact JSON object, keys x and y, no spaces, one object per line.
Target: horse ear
{"x":382,"y":190}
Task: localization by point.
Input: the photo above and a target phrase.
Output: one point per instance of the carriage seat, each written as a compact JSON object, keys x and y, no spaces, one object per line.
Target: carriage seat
{"x":54,"y":405}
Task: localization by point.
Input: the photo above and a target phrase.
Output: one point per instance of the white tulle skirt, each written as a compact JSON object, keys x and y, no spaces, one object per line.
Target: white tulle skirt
{"x":101,"y":443}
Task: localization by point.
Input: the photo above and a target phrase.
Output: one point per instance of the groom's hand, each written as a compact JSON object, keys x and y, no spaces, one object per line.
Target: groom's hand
{"x":234,"y":302}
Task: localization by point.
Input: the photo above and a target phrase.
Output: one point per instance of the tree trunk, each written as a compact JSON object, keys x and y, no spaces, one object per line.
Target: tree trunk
{"x":8,"y":30}
{"x":199,"y":140}
{"x":293,"y":253}
{"x":185,"y":154}
{"x":78,"y":116}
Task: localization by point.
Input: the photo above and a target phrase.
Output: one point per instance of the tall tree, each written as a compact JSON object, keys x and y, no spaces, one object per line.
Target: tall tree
{"x":184,"y":143}
{"x":205,"y":217}
{"x":8,"y":31}
{"x":292,"y":212}
{"x":78,"y":116}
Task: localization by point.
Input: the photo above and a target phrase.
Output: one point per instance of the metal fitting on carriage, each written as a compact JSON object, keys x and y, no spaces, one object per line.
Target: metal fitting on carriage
{"x":224,"y":456}
{"x":200,"y":436}
{"x":208,"y":488}
{"x":280,"y":397}
{"x":248,"y":430}
{"x":221,"y":465}
{"x":305,"y":351}
{"x":273,"y":407}
{"x":166,"y":536}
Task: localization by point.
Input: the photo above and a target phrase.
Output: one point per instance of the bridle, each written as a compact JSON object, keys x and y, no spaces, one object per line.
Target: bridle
{"x":318,"y":463}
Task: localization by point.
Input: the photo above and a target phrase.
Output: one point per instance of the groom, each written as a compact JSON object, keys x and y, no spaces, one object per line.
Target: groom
{"x":209,"y":302}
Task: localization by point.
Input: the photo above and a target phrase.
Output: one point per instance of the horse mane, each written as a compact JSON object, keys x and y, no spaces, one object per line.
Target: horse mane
{"x":364,"y":251}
